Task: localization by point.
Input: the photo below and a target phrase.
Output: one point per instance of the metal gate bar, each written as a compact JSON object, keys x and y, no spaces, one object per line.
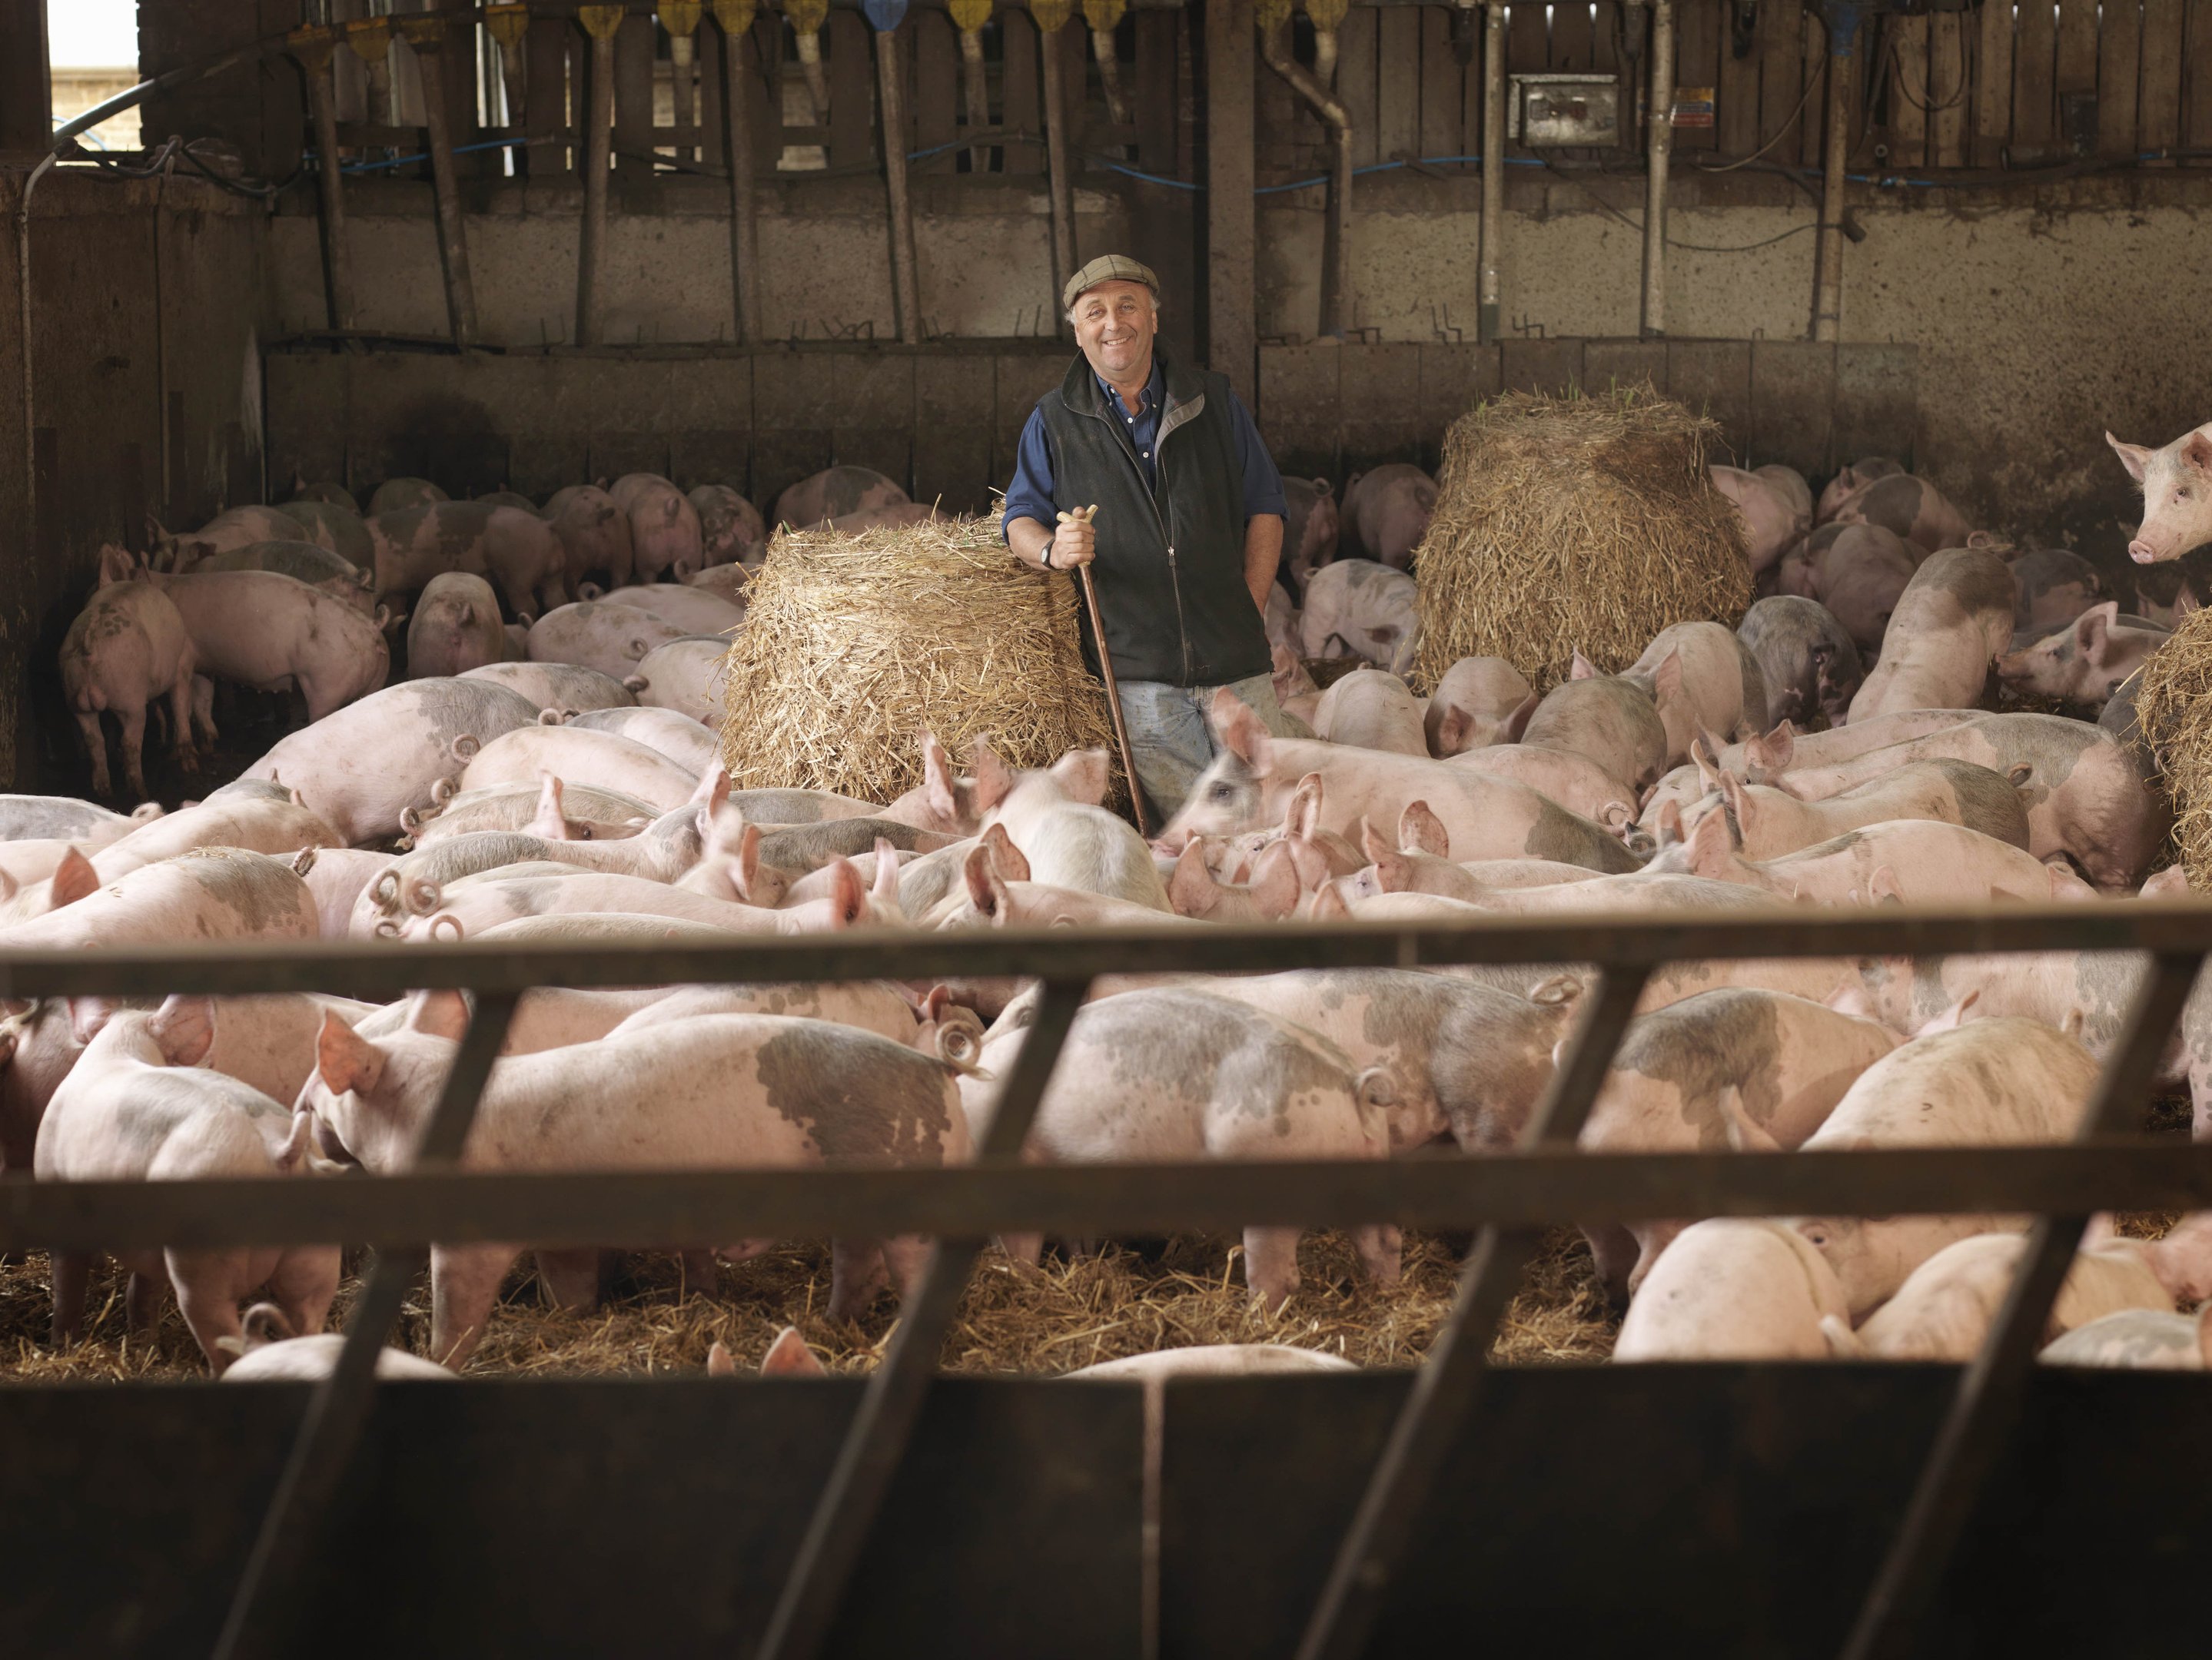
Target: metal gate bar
{"x":1986,"y":1409}
{"x":1626,"y":948}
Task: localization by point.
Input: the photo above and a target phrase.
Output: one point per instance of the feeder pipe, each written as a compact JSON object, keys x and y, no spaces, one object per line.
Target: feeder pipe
{"x":906,"y":286}
{"x":681,"y":19}
{"x":1659,"y":136}
{"x":1336,"y":233}
{"x":736,"y":20}
{"x":600,"y":22}
{"x":314,"y":48}
{"x":427,"y":37}
{"x":1493,"y":165}
{"x":508,"y":25}
{"x":1829,"y":289}
{"x":1060,"y":180}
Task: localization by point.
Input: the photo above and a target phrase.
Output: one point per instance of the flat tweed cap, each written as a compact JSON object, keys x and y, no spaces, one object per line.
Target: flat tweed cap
{"x":1108,"y":268}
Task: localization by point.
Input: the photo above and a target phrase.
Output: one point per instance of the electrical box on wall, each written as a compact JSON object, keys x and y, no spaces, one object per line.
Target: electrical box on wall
{"x":1564,"y":109}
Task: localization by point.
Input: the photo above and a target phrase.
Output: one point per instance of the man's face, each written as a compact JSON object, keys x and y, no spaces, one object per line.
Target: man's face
{"x":1115,"y":324}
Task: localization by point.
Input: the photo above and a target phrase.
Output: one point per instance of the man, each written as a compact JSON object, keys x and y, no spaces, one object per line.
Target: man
{"x":1188,"y":529}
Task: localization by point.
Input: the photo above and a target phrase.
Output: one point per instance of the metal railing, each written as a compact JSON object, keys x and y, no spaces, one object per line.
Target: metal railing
{"x":1509,"y":1195}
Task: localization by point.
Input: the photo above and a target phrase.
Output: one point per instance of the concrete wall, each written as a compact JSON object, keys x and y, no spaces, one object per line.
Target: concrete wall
{"x":148,"y":308}
{"x":2040,"y":319}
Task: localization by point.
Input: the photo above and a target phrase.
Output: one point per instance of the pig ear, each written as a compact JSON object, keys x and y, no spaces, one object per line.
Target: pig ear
{"x":1709,"y":771}
{"x":1517,"y":722}
{"x":1582,"y":668}
{"x":2134,"y":456}
{"x":1667,"y":679}
{"x":938,"y":780}
{"x":1328,"y":905}
{"x":550,"y":824}
{"x":1953,"y":1017}
{"x":468,"y":616}
{"x":1009,"y":860}
{"x":849,"y":894}
{"x":1670,"y":824}
{"x":73,"y":879}
{"x":438,"y":1014}
{"x":885,"y":891}
{"x":1849,"y":997}
{"x":1740,"y":805}
{"x":346,"y":1060}
{"x":1452,"y":729}
{"x":1711,"y":849}
{"x":2197,"y":450}
{"x":1420,"y":831}
{"x":719,"y":1363}
{"x":1772,"y":752}
{"x":1191,"y":890}
{"x":1303,"y":817}
{"x":714,"y":787}
{"x":986,"y":890}
{"x":1393,"y":873}
{"x":995,"y":780}
{"x":1283,"y":666}
{"x":1241,"y":732}
{"x":88,"y":1016}
{"x":789,"y":1357}
{"x":1275,"y":884}
{"x":2091,"y":627}
{"x":1082,"y":776}
{"x":744,"y":864}
{"x":1368,"y":841}
{"x":1884,"y":887}
{"x":185,"y":1028}
{"x":2185,"y":602}
{"x":933,"y":1006}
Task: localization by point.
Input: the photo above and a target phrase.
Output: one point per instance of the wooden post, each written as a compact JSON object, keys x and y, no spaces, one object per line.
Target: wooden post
{"x":906,"y":284}
{"x":1060,"y":181}
{"x":26,"y":110}
{"x":314,"y":48}
{"x":427,"y":37}
{"x":736,"y":20}
{"x":681,"y":19}
{"x":1231,"y":331}
{"x":600,"y":22}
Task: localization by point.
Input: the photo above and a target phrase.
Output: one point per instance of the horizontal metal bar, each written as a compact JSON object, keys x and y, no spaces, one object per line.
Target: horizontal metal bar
{"x":1506,"y":1191}
{"x":387,"y":971}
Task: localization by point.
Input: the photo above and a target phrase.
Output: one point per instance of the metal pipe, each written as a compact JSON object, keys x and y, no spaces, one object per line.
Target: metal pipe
{"x":738,"y":85}
{"x":1109,"y":78}
{"x":1659,"y":129}
{"x":600,"y":23}
{"x":1336,"y":232}
{"x":1058,"y":182}
{"x":23,"y":337}
{"x":906,"y":281}
{"x":429,"y":42}
{"x":1828,"y":280}
{"x":1493,"y":167}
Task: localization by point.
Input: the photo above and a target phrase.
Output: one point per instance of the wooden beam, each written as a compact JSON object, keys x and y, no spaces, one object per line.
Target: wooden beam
{"x":26,"y":110}
{"x":1231,"y":331}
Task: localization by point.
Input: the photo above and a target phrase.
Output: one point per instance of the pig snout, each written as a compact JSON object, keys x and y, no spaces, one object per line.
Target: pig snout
{"x":2142,"y":552}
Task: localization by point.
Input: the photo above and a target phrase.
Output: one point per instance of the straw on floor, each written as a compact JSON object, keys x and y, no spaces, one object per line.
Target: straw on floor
{"x":854,"y":645}
{"x":1587,"y":522}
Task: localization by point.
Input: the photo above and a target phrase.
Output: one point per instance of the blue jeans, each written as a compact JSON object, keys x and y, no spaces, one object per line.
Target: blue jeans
{"x":1171,"y":743}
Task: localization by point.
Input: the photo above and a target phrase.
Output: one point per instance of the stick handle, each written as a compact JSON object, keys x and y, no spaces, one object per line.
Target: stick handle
{"x":1114,"y":698}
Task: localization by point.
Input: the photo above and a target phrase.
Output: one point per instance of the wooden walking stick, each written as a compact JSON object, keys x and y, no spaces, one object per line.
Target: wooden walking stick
{"x":1082,"y":516}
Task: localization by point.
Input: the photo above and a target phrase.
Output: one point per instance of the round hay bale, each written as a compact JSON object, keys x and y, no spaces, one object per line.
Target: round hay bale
{"x":855,"y":645}
{"x":1583,"y":523}
{"x":2174,"y":737}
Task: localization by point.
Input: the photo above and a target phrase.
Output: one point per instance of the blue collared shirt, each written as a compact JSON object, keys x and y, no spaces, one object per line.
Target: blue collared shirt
{"x":1030,"y":495}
